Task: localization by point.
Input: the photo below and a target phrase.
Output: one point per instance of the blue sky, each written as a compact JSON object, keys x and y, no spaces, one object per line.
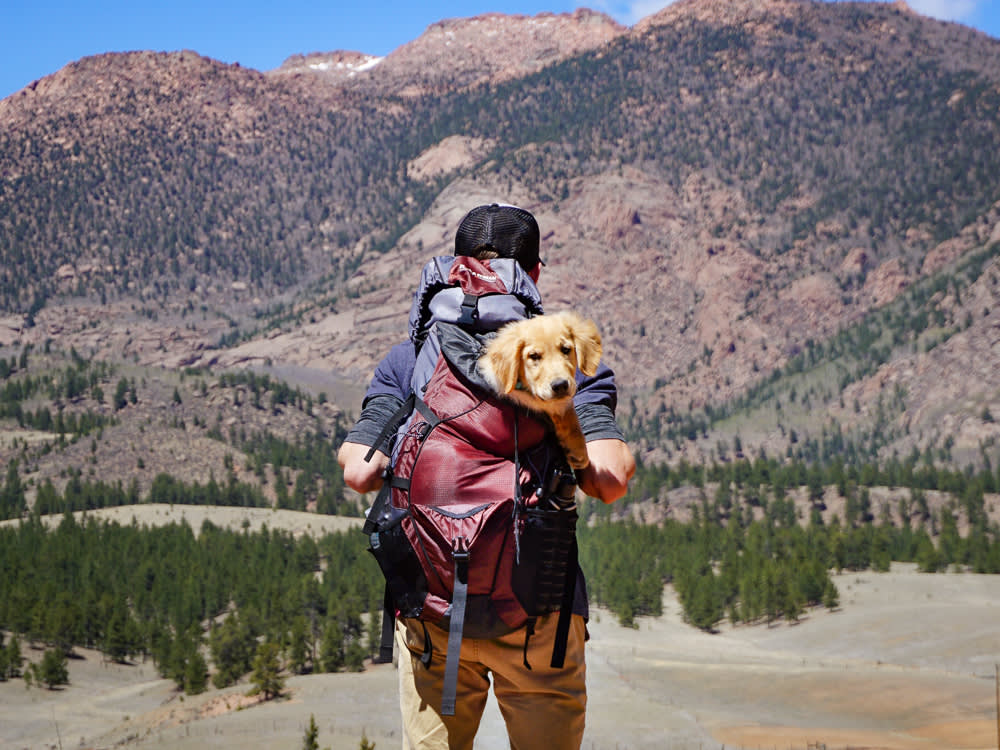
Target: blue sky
{"x":38,"y":37}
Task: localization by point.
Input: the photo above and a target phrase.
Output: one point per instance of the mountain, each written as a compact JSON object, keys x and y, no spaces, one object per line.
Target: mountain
{"x":460,"y":53}
{"x":783,"y":215}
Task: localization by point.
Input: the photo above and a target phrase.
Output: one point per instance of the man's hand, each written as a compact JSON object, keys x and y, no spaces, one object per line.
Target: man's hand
{"x":360,"y":475}
{"x":611,"y":466}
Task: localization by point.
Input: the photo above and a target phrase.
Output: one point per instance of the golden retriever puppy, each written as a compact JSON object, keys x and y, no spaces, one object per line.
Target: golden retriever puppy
{"x":534,"y":362}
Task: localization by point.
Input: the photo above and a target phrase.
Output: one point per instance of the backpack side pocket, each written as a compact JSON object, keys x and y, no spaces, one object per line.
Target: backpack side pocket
{"x":404,"y":578}
{"x":539,"y":579}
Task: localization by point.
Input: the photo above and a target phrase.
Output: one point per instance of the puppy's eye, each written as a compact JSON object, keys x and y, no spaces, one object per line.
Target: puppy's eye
{"x":566,"y":349}
{"x":534,"y":356}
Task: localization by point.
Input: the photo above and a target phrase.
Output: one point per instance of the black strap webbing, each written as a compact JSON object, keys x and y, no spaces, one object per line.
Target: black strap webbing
{"x":449,"y":691}
{"x":388,"y":629}
{"x":432,"y":419}
{"x":565,"y":609}
{"x":428,"y":653}
{"x":529,"y":630}
{"x":385,"y":491}
{"x":392,"y":425}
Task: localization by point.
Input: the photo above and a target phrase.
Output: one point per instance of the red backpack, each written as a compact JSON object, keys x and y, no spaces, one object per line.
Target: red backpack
{"x":474,"y":528}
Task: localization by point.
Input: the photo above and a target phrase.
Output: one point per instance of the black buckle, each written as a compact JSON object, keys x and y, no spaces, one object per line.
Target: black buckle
{"x":469,"y":315}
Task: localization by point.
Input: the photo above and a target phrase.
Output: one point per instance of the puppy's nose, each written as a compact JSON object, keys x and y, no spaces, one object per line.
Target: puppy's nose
{"x":560,"y":387}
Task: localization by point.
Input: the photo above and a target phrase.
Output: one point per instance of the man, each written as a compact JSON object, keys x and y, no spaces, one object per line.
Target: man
{"x":542,"y":707}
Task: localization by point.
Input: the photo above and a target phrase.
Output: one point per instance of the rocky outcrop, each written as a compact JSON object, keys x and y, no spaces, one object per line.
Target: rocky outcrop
{"x":463,"y":52}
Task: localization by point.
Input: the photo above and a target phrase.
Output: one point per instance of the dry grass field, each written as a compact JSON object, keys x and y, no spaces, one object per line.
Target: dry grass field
{"x":907,"y":663}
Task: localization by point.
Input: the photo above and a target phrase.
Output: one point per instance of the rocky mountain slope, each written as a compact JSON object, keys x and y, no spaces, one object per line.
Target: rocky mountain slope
{"x":784,"y":215}
{"x":458,"y":53}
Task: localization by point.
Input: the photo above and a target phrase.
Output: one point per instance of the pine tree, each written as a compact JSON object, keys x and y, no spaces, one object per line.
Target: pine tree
{"x":831,"y":597}
{"x":266,"y":676}
{"x":121,"y":394}
{"x":791,"y":599}
{"x":331,"y":654}
{"x":12,"y":499}
{"x":183,"y":650}
{"x":354,"y":658}
{"x":52,"y":669}
{"x":374,"y":635}
{"x":310,"y":740}
{"x":231,"y":644}
{"x":116,"y":645}
{"x":195,"y":674}
{"x":14,"y":658}
{"x":298,"y":648}
{"x":928,"y":558}
{"x":773,"y":592}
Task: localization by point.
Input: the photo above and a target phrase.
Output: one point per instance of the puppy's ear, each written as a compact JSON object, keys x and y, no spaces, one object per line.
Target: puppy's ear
{"x":588,"y":344}
{"x":505,"y":359}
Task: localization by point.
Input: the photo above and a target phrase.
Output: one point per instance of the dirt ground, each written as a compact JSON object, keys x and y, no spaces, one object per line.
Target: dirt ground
{"x":906,"y":664}
{"x":234,"y":518}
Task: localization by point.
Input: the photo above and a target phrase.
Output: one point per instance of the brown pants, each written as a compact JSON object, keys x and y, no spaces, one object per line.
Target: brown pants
{"x":543,"y":708}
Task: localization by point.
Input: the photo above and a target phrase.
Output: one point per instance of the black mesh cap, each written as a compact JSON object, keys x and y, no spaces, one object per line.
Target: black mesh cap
{"x":509,"y":231}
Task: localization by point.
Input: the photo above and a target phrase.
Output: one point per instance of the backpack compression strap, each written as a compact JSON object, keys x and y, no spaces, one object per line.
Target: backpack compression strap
{"x":449,"y":692}
{"x":565,"y":609}
{"x":388,"y":629}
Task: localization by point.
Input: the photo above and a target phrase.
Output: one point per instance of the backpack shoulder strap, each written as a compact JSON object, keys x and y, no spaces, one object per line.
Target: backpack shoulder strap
{"x":393,"y":424}
{"x":382,"y":498}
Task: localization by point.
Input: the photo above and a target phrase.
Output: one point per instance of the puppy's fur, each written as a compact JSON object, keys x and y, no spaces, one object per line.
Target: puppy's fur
{"x":533,"y":362}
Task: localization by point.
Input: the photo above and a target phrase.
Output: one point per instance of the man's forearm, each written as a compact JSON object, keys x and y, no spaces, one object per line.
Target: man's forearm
{"x":611,"y":467}
{"x":360,"y":475}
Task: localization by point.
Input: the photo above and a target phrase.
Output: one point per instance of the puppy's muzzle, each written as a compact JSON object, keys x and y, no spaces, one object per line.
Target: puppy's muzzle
{"x":560,"y":387}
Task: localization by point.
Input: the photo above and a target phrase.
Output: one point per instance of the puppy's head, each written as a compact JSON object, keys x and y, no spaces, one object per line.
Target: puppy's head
{"x":538,"y":357}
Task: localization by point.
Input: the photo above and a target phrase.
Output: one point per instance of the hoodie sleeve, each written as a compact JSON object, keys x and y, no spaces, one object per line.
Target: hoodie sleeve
{"x":389,"y":387}
{"x":393,"y":374}
{"x":596,"y":400}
